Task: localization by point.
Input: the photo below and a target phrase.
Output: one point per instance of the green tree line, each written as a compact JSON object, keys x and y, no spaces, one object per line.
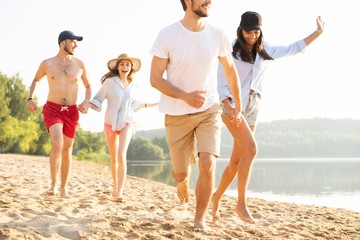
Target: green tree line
{"x":317,"y":137}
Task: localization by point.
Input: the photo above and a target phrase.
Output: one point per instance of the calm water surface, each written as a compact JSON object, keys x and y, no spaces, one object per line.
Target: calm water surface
{"x":333,"y":182}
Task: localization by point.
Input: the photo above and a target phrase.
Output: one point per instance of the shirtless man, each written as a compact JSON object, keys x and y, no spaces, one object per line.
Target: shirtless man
{"x":61,"y":114}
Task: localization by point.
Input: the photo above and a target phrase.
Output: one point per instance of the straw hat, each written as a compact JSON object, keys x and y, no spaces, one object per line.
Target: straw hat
{"x":135,"y":62}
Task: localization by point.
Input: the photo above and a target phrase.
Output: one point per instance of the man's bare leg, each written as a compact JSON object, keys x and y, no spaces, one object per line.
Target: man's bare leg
{"x":55,"y":155}
{"x":183,"y":191}
{"x":204,"y":188}
{"x":183,"y":185}
{"x":66,"y":165}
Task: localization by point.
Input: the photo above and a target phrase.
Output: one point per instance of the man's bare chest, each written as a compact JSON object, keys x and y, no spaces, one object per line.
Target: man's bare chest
{"x":64,"y":73}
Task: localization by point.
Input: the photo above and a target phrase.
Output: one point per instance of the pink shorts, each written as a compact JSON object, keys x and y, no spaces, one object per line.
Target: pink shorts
{"x":68,"y":116}
{"x":108,"y":129}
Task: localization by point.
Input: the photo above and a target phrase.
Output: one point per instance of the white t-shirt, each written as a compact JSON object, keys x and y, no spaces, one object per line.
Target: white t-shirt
{"x":193,"y":62}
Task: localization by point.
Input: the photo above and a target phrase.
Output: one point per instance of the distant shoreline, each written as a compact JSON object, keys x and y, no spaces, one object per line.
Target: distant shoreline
{"x":311,"y":181}
{"x":303,"y":138}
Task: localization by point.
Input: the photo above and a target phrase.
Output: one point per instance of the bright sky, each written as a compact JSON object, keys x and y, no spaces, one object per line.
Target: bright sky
{"x":320,"y":83}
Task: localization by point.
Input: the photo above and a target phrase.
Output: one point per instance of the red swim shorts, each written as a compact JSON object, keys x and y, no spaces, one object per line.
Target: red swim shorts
{"x":68,"y":116}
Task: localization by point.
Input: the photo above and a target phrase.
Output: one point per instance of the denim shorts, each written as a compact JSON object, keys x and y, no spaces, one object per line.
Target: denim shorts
{"x":252,"y":109}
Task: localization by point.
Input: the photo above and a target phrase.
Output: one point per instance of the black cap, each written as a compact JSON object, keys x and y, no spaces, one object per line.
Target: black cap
{"x":68,"y":35}
{"x":251,"y":21}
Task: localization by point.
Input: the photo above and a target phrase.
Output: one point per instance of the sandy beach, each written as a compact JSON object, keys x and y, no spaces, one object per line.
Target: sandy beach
{"x":150,"y":210}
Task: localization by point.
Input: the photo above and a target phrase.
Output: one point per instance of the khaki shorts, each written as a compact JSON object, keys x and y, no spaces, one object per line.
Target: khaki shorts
{"x":190,"y":134}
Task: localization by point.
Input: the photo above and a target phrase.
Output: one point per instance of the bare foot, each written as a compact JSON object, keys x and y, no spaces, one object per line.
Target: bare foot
{"x":52,"y":191}
{"x":244,"y":215}
{"x":64,"y":192}
{"x":183,"y":192}
{"x":215,"y":208}
{"x":201,"y":226}
{"x":119,"y":199}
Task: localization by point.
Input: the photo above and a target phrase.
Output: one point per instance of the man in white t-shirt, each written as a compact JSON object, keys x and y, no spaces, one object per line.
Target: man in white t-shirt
{"x":189,"y":51}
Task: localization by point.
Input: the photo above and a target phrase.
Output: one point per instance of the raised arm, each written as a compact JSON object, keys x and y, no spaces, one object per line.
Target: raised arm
{"x":314,"y":35}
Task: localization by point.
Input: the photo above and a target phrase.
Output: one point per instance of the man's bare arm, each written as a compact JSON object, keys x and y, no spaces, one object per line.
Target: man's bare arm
{"x":41,"y":72}
{"x":232,"y":79}
{"x":84,"y":106}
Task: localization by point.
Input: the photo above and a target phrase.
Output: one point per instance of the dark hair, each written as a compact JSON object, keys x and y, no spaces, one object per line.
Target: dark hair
{"x":115,"y":72}
{"x":183,"y":4}
{"x":240,"y":48}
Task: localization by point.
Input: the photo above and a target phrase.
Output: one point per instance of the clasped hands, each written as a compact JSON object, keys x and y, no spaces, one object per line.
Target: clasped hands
{"x":197,"y":99}
{"x":83,"y":107}
{"x":233,"y":114}
{"x":234,"y":117}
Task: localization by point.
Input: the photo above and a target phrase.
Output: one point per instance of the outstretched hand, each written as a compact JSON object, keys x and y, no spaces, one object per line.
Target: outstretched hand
{"x":320,"y":24}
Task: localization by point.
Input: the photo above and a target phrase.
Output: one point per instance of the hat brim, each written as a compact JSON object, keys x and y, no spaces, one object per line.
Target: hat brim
{"x":135,"y":62}
{"x":78,"y":38}
{"x":253,"y":27}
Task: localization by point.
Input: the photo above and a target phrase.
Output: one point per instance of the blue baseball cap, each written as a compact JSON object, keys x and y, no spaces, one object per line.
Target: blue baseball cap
{"x":68,"y":35}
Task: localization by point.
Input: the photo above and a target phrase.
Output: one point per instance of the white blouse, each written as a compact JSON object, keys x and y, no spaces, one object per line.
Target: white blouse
{"x":121,"y":103}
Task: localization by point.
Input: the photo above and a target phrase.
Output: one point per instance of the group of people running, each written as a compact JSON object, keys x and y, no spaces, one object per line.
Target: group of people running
{"x":209,"y":82}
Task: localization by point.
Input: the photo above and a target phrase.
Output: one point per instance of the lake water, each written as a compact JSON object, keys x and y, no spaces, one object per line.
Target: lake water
{"x":332,"y":182}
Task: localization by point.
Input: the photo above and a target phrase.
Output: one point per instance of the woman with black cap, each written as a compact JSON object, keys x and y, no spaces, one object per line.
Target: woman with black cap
{"x":252,"y":57}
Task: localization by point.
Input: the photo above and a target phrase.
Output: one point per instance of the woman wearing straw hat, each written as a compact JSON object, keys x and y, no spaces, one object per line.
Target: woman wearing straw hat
{"x":119,"y":88}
